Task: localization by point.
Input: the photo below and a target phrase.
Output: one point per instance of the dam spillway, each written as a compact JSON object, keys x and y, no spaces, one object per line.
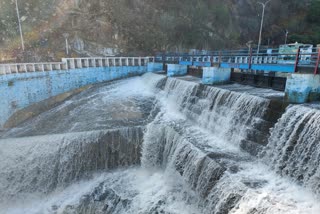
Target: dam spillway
{"x":153,"y":144}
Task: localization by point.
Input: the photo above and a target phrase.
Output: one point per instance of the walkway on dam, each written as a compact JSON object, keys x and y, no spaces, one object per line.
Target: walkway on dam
{"x":269,"y":60}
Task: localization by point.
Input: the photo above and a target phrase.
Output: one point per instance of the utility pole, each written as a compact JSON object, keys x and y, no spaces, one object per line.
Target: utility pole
{"x":66,"y":36}
{"x":20,"y":28}
{"x":286,"y":38}
{"x":262,"y":19}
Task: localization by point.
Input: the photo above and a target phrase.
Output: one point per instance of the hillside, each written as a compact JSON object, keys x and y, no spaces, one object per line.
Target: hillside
{"x":110,"y":27}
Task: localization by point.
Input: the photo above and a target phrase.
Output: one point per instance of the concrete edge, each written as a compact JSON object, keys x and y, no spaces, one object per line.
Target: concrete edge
{"x":35,"y":109}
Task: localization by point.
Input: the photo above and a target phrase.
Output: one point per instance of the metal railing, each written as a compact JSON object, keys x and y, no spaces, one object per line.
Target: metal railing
{"x":74,"y":63}
{"x":31,"y":67}
{"x":301,"y":59}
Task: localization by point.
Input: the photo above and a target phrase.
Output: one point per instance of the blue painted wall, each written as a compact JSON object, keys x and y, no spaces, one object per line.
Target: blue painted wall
{"x":18,"y":91}
{"x":185,"y":63}
{"x":273,"y":67}
{"x":302,"y":88}
{"x":202,"y":64}
{"x":286,"y":68}
{"x":198,"y":64}
{"x":176,"y":70}
{"x":214,"y":75}
{"x":154,"y":66}
{"x":235,"y":65}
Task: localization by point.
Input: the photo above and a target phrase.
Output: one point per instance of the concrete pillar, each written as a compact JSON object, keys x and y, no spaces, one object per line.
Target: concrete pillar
{"x":86,"y":62}
{"x":15,"y":69}
{"x":302,"y":88}
{"x":140,"y":61}
{"x":64,"y":66}
{"x":79,"y":63}
{"x":29,"y":68}
{"x":176,"y":70}
{"x":100,"y":62}
{"x":57,"y":66}
{"x":93,"y":63}
{"x":154,"y":67}
{"x":73,"y":64}
{"x":215,"y":75}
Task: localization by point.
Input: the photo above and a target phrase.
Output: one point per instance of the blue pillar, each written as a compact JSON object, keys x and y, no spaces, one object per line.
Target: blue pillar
{"x":176,"y":70}
{"x":302,"y":88}
{"x":215,"y":75}
{"x":154,"y":67}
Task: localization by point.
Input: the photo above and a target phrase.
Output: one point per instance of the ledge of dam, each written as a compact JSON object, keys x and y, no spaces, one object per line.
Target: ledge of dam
{"x":153,"y":144}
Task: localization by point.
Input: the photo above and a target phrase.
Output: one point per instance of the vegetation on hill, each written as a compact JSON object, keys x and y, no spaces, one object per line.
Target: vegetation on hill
{"x":146,"y":26}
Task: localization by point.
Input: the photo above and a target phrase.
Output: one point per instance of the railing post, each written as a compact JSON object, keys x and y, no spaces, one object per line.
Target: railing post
{"x":250,"y":59}
{"x":220,"y":59}
{"x":317,"y":63}
{"x":79,"y":63}
{"x":65,"y":66}
{"x":120,"y":61}
{"x":2,"y":69}
{"x":297,"y":61}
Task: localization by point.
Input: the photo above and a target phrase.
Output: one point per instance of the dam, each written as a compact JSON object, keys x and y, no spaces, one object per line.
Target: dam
{"x":153,"y":144}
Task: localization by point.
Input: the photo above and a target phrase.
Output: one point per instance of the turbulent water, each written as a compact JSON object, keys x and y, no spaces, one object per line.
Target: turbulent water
{"x":156,"y":145}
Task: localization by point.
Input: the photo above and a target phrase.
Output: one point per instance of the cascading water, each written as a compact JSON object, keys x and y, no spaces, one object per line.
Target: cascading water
{"x":294,"y":148}
{"x":237,"y":117}
{"x":42,"y":164}
{"x":198,"y":153}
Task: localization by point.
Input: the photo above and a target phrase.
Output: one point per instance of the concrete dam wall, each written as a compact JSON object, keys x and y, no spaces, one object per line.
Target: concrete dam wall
{"x":153,"y":144}
{"x":23,"y":89}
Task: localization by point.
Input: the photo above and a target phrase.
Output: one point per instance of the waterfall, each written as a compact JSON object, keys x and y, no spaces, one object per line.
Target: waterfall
{"x":154,"y":144}
{"x":44,"y":163}
{"x":202,"y":145}
{"x":233,"y":116}
{"x":225,"y":179}
{"x":237,"y":117}
{"x":294,"y":148}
